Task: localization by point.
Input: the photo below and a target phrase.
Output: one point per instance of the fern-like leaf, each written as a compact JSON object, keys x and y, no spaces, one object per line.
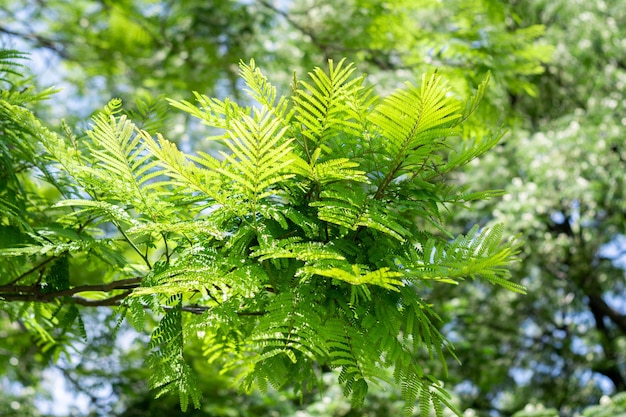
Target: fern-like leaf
{"x":125,"y":168}
{"x":259,"y":154}
{"x":469,"y":256}
{"x":412,"y":123}
{"x":171,"y":373}
{"x":262,"y":91}
{"x":355,"y":275}
{"x":321,"y":107}
{"x":10,"y":63}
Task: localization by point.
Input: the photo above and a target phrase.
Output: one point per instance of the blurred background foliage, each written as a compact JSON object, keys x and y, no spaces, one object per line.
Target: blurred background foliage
{"x":558,"y":83}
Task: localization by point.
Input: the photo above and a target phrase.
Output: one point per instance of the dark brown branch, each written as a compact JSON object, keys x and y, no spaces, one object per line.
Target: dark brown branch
{"x":608,"y":366}
{"x":38,"y":293}
{"x":113,"y":301}
{"x":599,"y":306}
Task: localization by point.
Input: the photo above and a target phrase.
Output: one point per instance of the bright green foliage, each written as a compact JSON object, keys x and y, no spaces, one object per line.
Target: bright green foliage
{"x":169,"y":370}
{"x":309,"y":242}
{"x":9,"y":62}
{"x":562,"y":345}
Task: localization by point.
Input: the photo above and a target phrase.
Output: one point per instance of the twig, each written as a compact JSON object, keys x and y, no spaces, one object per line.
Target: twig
{"x":39,"y":41}
{"x":33,"y":269}
{"x":38,"y":293}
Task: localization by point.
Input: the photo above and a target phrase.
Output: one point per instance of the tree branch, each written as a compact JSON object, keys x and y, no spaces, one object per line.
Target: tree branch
{"x":39,"y":41}
{"x":38,"y":293}
{"x":198,"y":309}
{"x":598,"y":305}
{"x":609,"y":366}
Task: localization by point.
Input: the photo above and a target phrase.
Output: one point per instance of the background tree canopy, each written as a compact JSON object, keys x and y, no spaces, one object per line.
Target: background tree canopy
{"x":558,"y":79}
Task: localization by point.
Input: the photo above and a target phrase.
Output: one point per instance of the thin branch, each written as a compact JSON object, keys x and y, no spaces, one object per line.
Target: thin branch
{"x":36,"y":293}
{"x":39,"y":41}
{"x":198,"y":309}
{"x":39,"y":294}
{"x":113,"y":301}
{"x":599,"y":306}
{"x":79,"y":387}
{"x":132,"y":244}
{"x":379,"y":57}
{"x":33,"y":269}
{"x":292,"y":22}
{"x":167,"y":249}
